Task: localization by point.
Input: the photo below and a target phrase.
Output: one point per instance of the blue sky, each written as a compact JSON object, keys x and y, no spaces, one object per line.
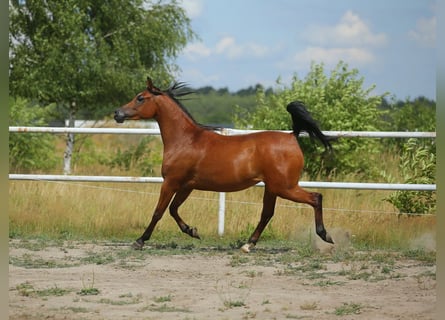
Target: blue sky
{"x":245,"y":42}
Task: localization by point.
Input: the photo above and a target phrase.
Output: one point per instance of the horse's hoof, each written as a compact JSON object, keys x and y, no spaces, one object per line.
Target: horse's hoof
{"x":329,"y":238}
{"x":137,"y":245}
{"x":194,"y":233}
{"x":246,"y":248}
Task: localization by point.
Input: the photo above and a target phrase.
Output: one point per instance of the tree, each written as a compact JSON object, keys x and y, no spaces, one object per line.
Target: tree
{"x":337,"y":102}
{"x":89,"y":55}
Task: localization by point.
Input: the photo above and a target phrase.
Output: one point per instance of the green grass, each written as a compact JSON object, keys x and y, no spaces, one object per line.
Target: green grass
{"x":348,"y":308}
{"x":26,"y":289}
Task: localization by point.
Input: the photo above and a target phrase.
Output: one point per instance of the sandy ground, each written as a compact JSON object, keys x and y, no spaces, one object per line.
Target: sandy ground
{"x":78,"y":280}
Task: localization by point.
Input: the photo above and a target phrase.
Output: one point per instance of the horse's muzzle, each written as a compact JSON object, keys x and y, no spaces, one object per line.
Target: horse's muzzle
{"x":119,"y":116}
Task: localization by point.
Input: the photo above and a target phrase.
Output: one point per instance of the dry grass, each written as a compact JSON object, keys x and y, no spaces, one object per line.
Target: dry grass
{"x":122,"y":211}
{"x":108,"y":211}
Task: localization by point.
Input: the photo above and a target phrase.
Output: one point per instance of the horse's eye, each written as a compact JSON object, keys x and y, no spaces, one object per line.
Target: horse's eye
{"x":140,"y":98}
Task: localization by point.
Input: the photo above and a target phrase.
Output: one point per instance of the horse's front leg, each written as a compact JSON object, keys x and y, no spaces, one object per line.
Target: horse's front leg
{"x":269,"y":200}
{"x":179,"y":199}
{"x":164,"y":199}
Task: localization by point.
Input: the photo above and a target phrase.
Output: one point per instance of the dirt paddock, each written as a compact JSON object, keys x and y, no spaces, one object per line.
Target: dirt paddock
{"x":81,"y":280}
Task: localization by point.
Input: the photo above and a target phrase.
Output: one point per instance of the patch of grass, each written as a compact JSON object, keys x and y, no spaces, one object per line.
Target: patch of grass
{"x":29,"y":262}
{"x":327,"y":283}
{"x":234,"y":303}
{"x":54,"y":291}
{"x":88,"y":289}
{"x":160,"y":299}
{"x":348,"y":308}
{"x":134,"y":300}
{"x":98,"y":258}
{"x":238,"y":260}
{"x":164,"y":308}
{"x":230,"y":299}
{"x":88,"y":292}
{"x":25,"y":289}
{"x":428,"y":257}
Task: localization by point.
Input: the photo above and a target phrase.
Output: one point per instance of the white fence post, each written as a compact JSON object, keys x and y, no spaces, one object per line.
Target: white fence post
{"x":221,"y":213}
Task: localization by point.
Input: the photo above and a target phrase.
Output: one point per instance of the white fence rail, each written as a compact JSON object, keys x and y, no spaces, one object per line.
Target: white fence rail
{"x":304,"y":184}
{"x":226,"y":131}
{"x":221,"y":213}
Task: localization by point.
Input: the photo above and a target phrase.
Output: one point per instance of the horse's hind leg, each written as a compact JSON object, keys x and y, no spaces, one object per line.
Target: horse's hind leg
{"x":269,"y":200}
{"x":179,"y":199}
{"x":314,"y":199}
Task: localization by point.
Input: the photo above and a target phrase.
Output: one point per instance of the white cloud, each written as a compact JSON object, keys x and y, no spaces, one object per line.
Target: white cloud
{"x":193,"y":8}
{"x":331,"y":56}
{"x":196,"y":50}
{"x":350,"y":40}
{"x":228,"y":47}
{"x":350,"y":31}
{"x":425,"y":32}
{"x":196,"y":78}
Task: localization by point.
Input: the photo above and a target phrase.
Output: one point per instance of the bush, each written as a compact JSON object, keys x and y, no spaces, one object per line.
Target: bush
{"x":31,"y":151}
{"x":140,"y":156}
{"x":417,"y":165}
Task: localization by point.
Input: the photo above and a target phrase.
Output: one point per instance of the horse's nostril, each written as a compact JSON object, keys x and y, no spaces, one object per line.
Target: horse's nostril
{"x":119,"y":116}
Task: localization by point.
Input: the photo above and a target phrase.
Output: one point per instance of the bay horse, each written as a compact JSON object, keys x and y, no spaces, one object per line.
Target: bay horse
{"x":197,"y":157}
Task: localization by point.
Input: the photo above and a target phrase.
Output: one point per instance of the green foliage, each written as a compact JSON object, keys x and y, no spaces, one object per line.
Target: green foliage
{"x":417,"y":165}
{"x":418,"y":114}
{"x":337,"y":102}
{"x":140,"y":156}
{"x":31,"y":151}
{"x":218,"y":107}
{"x":94,"y":53}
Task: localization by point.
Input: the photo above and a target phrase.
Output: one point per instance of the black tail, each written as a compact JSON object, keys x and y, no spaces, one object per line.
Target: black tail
{"x":303,"y":121}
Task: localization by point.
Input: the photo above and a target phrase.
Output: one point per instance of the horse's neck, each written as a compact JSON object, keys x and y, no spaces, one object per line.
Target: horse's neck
{"x":175,"y":125}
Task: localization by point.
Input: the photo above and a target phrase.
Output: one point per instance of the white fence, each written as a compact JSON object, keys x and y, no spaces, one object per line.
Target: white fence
{"x":221,"y":211}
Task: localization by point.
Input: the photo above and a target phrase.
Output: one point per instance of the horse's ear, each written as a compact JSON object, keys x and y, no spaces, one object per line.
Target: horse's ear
{"x":149,"y":84}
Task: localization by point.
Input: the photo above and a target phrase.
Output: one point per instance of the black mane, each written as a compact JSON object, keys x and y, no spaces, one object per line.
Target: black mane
{"x":180,"y":89}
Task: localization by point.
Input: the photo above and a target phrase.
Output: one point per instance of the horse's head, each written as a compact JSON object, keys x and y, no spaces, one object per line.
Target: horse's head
{"x":142,"y":106}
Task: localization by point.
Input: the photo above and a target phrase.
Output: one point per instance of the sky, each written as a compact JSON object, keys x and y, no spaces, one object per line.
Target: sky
{"x":247,"y":42}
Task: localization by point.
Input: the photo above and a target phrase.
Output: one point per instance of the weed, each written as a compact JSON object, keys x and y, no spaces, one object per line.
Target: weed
{"x":55,"y":291}
{"x":228,"y":298}
{"x":28,"y":262}
{"x":326,"y":283}
{"x":348,"y":308}
{"x":96,"y":258}
{"x":238,"y":260}
{"x":233,"y":303}
{"x":25,"y":289}
{"x":88,"y":290}
{"x":160,"y":299}
{"x":164,"y":308}
{"x":134,"y":300}
{"x":428,"y":257}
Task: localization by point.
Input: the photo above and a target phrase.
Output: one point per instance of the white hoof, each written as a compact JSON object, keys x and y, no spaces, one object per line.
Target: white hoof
{"x":246,"y":248}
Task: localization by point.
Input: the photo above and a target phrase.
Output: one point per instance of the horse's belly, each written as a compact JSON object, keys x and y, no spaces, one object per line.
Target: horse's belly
{"x":227,"y":178}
